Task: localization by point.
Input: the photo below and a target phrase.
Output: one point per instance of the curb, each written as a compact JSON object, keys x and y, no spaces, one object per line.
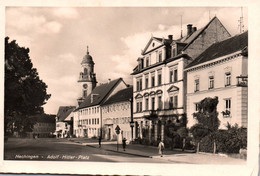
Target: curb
{"x":134,"y":154}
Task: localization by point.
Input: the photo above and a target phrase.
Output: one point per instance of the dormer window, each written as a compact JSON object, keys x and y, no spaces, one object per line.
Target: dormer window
{"x":147,"y":61}
{"x":174,"y":50}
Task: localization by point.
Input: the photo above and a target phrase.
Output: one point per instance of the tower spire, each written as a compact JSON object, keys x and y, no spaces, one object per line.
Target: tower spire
{"x":87,"y":50}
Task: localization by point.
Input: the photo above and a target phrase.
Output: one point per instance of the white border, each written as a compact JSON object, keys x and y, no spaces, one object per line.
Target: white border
{"x":136,"y":168}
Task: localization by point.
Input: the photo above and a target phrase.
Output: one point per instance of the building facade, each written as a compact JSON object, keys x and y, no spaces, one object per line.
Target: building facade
{"x":88,"y":116}
{"x":64,"y":121}
{"x":116,"y":111}
{"x":159,"y":81}
{"x":221,"y":71}
{"x":44,"y":126}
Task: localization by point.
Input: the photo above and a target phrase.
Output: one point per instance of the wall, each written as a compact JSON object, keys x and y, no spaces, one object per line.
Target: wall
{"x":238,"y":95}
{"x":117,"y":114}
{"x":214,"y":33}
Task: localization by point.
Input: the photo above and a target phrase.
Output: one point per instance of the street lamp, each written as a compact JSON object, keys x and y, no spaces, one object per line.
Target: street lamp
{"x":132,"y":119}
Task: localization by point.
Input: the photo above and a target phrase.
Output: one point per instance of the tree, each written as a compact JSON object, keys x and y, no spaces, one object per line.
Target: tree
{"x":183,"y":133}
{"x":25,"y":93}
{"x":207,"y":118}
{"x":170,"y":131}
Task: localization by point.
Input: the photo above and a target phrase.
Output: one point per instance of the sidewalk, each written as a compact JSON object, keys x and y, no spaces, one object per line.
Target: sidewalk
{"x":176,"y":156}
{"x":131,"y":149}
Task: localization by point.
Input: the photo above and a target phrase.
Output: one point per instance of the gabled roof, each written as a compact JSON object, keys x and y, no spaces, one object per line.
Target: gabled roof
{"x":64,"y":111}
{"x":122,"y":95}
{"x":189,"y":39}
{"x":225,"y":47}
{"x":163,"y":41}
{"x":99,"y":93}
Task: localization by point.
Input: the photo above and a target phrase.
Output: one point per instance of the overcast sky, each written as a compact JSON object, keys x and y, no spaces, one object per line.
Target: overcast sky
{"x":58,"y":39}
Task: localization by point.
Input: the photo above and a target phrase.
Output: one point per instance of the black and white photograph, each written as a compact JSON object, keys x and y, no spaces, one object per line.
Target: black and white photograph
{"x":129,"y":89}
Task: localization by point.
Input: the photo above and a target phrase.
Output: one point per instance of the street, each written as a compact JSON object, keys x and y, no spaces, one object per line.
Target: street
{"x":64,"y":150}
{"x":78,"y":149}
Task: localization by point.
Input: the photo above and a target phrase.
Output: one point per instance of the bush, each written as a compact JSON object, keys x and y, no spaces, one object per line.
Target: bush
{"x":207,"y":144}
{"x":189,"y":144}
{"x":227,"y":141}
{"x":231,"y":140}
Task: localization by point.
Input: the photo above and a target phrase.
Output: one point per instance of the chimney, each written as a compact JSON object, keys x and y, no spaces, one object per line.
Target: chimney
{"x":189,"y":29}
{"x":109,"y":80}
{"x":194,"y":29}
{"x":170,"y":37}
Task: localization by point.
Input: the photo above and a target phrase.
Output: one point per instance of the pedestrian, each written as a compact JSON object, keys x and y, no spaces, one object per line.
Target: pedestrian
{"x":161,"y":148}
{"x":99,"y":141}
{"x":124,"y":143}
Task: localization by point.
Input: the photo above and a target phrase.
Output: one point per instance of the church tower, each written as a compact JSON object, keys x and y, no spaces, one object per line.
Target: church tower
{"x":87,"y":77}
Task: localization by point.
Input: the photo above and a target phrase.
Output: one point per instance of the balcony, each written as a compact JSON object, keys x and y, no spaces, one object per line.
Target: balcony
{"x":242,"y":81}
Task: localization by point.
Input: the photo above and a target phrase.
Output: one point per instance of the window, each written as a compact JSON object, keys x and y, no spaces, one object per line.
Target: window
{"x":147,"y":61}
{"x":146,"y":81}
{"x":160,"y":56}
{"x":159,"y":102}
{"x":97,"y":121}
{"x":146,"y":104}
{"x":211,"y":82}
{"x":227,"y":111}
{"x":89,"y":121}
{"x":93,"y":121}
{"x":153,"y":103}
{"x":139,"y":107}
{"x":175,"y":75}
{"x":176,"y":101}
{"x":159,"y":78}
{"x":228,"y":79}
{"x":171,"y":102}
{"x":84,"y":93}
{"x":153,"y":81}
{"x":139,"y":84}
{"x":171,"y":76}
{"x":196,"y":107}
{"x":141,"y":63}
{"x":197,"y":85}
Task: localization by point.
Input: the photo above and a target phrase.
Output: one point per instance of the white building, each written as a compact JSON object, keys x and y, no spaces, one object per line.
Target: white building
{"x":64,"y":121}
{"x":221,"y":71}
{"x":88,"y":116}
{"x":116,"y":111}
{"x":159,"y":80}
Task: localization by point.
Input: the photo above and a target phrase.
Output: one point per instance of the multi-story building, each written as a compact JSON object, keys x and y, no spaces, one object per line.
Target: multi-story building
{"x":44,"y":126}
{"x":159,"y":81}
{"x":64,"y":121}
{"x":221,"y":71}
{"x":87,"y":121}
{"x":116,"y":111}
{"x":88,"y":116}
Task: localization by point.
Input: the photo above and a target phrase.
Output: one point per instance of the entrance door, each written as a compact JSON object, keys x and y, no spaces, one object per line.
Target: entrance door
{"x":109,"y":134}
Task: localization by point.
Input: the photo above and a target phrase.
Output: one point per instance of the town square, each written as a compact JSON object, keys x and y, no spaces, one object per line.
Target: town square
{"x":156,"y":85}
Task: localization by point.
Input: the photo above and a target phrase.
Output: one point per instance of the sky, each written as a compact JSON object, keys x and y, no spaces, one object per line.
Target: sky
{"x":58,"y":39}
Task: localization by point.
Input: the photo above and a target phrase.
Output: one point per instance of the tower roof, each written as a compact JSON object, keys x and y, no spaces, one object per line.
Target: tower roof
{"x":87,"y":59}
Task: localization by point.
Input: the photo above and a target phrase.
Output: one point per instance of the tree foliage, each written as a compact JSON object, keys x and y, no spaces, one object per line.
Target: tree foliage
{"x":25,"y":93}
{"x":207,"y":115}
